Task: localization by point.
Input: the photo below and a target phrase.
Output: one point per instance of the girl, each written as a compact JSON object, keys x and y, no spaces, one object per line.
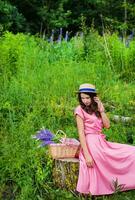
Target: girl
{"x":103,"y":165}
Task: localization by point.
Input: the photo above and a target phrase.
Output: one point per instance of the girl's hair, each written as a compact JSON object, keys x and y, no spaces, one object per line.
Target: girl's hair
{"x":93,"y":107}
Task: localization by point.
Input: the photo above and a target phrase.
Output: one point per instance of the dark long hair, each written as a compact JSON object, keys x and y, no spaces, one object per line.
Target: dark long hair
{"x":93,"y":107}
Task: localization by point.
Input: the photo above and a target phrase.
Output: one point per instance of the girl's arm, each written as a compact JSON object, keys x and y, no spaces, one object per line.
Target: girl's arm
{"x":80,"y":127}
{"x":105,"y":119}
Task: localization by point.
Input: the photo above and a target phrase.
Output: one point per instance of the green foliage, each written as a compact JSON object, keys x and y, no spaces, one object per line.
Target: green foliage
{"x":10,"y":18}
{"x":36,"y":16}
{"x":122,"y":58}
{"x":54,"y":15}
{"x":38,"y":83}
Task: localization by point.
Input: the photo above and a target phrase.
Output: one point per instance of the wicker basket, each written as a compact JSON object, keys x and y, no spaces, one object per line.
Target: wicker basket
{"x":64,"y":150}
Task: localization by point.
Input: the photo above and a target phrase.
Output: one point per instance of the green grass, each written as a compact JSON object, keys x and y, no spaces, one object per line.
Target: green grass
{"x":38,"y":85}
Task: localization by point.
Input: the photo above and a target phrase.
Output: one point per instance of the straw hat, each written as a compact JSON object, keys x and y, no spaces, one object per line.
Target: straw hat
{"x":86,"y":87}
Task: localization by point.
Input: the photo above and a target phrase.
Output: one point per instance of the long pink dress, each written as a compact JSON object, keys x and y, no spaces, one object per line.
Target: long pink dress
{"x":113,"y":162}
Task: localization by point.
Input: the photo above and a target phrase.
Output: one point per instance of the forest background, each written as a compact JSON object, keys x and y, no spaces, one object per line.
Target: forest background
{"x":46,"y":15}
{"x":47,"y":49}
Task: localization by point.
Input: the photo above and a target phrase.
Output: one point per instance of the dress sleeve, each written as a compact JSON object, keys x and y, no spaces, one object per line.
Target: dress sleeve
{"x":78,"y":111}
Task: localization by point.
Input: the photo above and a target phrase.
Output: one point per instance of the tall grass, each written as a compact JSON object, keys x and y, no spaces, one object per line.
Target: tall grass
{"x":38,"y":85}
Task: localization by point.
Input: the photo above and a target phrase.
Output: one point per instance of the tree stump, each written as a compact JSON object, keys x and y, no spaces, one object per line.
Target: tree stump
{"x":65,"y":173}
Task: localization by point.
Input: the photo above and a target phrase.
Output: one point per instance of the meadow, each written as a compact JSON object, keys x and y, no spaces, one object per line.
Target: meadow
{"x":38,"y":83}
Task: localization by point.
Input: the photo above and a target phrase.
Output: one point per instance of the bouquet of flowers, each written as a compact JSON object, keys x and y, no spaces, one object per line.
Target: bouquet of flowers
{"x":45,"y":136}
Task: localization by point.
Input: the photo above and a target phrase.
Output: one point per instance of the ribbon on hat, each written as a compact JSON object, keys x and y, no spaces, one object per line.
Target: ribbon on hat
{"x":87,"y":89}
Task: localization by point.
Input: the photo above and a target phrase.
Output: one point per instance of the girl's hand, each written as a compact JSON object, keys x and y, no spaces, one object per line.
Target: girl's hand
{"x":89,"y":161}
{"x":99,"y":103}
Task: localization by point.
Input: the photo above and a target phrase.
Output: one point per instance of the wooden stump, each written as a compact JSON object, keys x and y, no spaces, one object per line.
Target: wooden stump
{"x":65,"y":173}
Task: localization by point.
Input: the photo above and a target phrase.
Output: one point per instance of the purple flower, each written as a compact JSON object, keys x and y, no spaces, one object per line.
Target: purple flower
{"x":60,"y":36}
{"x":52,"y":37}
{"x":66,"y":36}
{"x":44,"y":143}
{"x":43,"y":134}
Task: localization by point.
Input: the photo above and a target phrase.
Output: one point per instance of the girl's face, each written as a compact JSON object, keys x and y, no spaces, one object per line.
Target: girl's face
{"x":85,"y":99}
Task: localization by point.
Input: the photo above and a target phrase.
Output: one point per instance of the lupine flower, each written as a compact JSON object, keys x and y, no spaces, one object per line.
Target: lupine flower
{"x":44,"y":143}
{"x":43,"y":134}
{"x":66,"y":36}
{"x":52,"y":37}
{"x":60,"y":36}
{"x":129,"y":38}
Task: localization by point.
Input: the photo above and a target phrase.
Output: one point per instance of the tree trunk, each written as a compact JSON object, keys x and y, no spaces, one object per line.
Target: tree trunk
{"x":65,"y":173}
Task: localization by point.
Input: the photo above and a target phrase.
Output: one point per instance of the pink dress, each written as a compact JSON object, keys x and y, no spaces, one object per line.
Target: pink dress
{"x":113,"y":162}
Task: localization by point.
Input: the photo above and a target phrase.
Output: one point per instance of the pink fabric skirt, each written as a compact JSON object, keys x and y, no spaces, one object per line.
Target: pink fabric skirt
{"x":113,"y":163}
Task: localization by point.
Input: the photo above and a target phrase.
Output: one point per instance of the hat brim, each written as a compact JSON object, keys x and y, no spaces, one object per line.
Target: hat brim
{"x":85,"y":91}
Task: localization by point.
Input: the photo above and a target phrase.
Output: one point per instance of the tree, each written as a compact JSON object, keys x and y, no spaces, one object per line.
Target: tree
{"x":44,"y":15}
{"x":10,"y":18}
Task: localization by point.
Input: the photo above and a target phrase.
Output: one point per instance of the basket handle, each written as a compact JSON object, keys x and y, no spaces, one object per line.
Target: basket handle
{"x":60,"y":131}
